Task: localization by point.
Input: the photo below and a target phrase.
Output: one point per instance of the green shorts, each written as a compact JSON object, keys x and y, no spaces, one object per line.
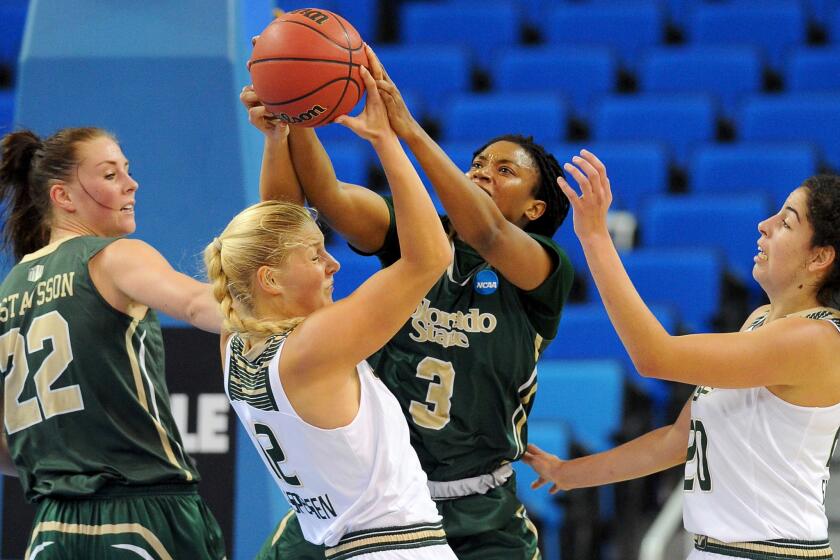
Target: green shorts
{"x":161,"y":522}
{"x":491,"y":526}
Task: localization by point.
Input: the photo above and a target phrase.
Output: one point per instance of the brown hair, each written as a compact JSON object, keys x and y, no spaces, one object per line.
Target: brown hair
{"x":28,"y":168}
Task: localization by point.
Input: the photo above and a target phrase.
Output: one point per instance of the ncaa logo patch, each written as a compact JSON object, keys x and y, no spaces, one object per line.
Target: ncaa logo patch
{"x":486,"y":282}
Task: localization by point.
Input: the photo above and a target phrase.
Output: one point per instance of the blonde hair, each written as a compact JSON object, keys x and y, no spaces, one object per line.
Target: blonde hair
{"x":262,"y":234}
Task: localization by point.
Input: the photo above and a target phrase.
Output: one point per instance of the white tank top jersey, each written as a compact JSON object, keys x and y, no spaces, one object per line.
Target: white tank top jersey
{"x":758,"y":466}
{"x":362,"y":476}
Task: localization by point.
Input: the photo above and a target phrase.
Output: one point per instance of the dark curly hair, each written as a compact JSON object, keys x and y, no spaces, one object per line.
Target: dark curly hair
{"x":824,"y":215}
{"x":556,"y":204}
{"x":28,"y":166}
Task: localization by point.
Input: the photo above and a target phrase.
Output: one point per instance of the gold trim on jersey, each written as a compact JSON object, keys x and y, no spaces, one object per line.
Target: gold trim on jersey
{"x":282,"y":527}
{"x":46,"y":249}
{"x":387,"y":538}
{"x":523,"y":515}
{"x":100,"y":531}
{"x":141,"y":396}
{"x":766,"y":550}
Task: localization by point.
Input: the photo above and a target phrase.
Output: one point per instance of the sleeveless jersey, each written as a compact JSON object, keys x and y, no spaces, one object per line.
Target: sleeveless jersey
{"x":361,"y":476}
{"x":464,"y":365}
{"x":86,"y":403}
{"x":758,"y":466}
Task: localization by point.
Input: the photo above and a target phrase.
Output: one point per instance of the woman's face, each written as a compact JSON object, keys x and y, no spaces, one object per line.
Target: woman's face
{"x":509,"y":175}
{"x":784,"y":248}
{"x":102,"y":189}
{"x":306,"y":276}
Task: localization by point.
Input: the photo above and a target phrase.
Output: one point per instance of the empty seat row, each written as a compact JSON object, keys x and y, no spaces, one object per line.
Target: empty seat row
{"x":582,"y":76}
{"x":486,"y":29}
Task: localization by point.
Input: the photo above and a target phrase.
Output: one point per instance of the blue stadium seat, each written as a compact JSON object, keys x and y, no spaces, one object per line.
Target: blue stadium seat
{"x":580,"y":75}
{"x":680,"y":121}
{"x":7,"y":110}
{"x":351,"y":163}
{"x":834,"y":26}
{"x":587,"y":395}
{"x":736,"y":71}
{"x":627,"y":27}
{"x":794,"y":117}
{"x":813,"y":69}
{"x":820,"y":11}
{"x":693,"y":285}
{"x":555,"y":438}
{"x":479,"y":117}
{"x":12,"y":21}
{"x":775,"y":169}
{"x":637,"y":170}
{"x":586,"y":333}
{"x":773,"y":25}
{"x":433,"y":72}
{"x":354,"y":270}
{"x":483,"y":27}
{"x":726,"y":223}
{"x":362,"y":14}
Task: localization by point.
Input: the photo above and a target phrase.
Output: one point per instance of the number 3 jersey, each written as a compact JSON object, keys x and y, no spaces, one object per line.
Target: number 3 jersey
{"x":463,"y":367}
{"x":364,"y":475}
{"x":757,"y":465}
{"x":86,"y":403}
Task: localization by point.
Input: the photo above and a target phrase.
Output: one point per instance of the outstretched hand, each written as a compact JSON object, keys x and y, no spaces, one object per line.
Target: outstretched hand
{"x":260,"y":117}
{"x":591,"y":206}
{"x":546,"y":465}
{"x":372,"y":124}
{"x":400,"y":117}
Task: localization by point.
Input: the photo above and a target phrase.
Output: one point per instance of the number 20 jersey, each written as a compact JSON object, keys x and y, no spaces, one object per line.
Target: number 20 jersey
{"x":758,"y":466}
{"x":86,"y":403}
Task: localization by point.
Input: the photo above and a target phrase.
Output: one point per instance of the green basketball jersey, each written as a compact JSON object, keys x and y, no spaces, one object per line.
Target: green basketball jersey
{"x":86,"y":403}
{"x":463,"y":366}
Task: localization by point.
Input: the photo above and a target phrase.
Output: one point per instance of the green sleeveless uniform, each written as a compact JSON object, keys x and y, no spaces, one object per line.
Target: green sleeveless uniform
{"x":88,"y":418}
{"x":463,"y":369}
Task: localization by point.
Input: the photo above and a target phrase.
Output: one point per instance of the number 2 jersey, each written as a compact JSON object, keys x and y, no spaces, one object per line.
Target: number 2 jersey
{"x":86,"y":403}
{"x":358,"y":477}
{"x":758,"y":466}
{"x":464,"y":365}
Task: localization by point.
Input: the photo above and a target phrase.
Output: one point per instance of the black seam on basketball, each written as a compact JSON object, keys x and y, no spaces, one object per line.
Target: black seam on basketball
{"x":349,"y":72}
{"x":340,"y":99}
{"x":319,"y":88}
{"x":327,"y":37}
{"x":301,"y":59}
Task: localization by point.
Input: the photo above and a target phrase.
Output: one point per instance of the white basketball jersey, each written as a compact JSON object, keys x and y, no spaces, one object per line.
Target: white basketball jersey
{"x":757,"y":465}
{"x":361,"y":476}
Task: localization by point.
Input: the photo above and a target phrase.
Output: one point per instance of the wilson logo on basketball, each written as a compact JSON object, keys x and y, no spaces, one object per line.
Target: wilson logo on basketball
{"x":303,"y":117}
{"x":317,"y":16}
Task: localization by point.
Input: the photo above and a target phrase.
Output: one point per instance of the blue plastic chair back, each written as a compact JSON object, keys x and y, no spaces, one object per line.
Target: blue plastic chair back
{"x":479,"y":117}
{"x":775,"y":169}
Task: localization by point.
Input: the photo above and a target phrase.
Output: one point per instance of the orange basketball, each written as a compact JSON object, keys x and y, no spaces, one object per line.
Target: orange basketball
{"x":305,"y":67}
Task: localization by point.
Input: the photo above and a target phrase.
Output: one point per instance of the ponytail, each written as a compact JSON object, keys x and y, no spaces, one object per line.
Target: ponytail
{"x":25,"y":207}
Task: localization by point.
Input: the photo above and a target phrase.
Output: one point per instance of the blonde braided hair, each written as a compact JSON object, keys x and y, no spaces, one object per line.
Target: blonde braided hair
{"x":262,"y":234}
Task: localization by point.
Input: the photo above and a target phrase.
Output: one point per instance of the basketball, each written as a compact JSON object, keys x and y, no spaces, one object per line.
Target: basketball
{"x":305,"y":67}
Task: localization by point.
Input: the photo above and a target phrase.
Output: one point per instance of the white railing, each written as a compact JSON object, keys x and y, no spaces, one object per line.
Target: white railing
{"x":664,"y":528}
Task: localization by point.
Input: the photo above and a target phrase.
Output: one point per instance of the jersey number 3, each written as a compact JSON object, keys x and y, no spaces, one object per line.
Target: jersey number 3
{"x":23,"y":414}
{"x":434,"y":413}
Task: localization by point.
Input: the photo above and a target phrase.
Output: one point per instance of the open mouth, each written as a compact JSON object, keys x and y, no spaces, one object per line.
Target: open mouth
{"x":128,"y":209}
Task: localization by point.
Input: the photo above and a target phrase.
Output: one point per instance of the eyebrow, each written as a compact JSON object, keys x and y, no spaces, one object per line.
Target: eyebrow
{"x":110,"y":162}
{"x":798,"y":219}
{"x":499,"y":161}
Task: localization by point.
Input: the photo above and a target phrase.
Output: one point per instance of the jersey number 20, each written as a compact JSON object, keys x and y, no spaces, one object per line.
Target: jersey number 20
{"x":696,"y":460}
{"x":14,"y":345}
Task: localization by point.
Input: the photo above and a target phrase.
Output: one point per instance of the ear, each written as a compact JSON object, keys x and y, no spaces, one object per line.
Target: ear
{"x":822,"y":258}
{"x":535,"y":210}
{"x":60,"y":196}
{"x":267,"y":280}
